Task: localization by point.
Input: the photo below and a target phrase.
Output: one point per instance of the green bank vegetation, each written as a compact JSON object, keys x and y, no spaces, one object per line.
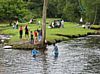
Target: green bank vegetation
{"x":69,"y":29}
{"x":95,"y":26}
{"x":71,"y":10}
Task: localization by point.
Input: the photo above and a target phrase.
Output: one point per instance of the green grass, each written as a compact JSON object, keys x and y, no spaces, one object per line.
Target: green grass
{"x":69,"y":29}
{"x":95,"y":26}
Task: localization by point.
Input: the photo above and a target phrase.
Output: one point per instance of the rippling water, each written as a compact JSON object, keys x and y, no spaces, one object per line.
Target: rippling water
{"x":79,"y":56}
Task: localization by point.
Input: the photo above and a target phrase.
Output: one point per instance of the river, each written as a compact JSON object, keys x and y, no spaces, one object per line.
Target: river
{"x":78,"y":56}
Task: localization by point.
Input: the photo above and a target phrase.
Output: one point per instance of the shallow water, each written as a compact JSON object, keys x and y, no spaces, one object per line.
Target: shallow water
{"x":79,"y":56}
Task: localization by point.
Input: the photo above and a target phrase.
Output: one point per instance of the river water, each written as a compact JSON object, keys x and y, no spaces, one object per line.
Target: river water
{"x":78,"y":56}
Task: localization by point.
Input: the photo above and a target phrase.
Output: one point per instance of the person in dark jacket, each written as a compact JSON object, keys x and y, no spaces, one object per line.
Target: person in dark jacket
{"x":26,"y":31}
{"x":31,"y":37}
{"x":21,"y":32}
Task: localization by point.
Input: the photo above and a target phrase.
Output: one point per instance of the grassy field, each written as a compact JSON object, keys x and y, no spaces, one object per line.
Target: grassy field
{"x":51,"y":34}
{"x":95,"y":26}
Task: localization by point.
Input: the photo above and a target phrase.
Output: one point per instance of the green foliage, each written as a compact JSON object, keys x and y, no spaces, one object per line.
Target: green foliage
{"x":66,"y":9}
{"x":71,"y":10}
{"x":11,"y":8}
{"x":35,"y":6}
{"x":95,"y":26}
{"x":91,"y":7}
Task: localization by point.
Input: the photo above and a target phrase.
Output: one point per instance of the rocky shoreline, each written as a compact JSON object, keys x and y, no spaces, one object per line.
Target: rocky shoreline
{"x":28,"y":46}
{"x":5,"y":38}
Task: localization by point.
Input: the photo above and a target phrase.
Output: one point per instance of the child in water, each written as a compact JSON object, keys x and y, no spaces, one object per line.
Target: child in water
{"x":35,"y":53}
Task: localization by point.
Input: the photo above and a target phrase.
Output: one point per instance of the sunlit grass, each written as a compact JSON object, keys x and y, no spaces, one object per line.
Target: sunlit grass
{"x":51,"y":34}
{"x":95,"y":26}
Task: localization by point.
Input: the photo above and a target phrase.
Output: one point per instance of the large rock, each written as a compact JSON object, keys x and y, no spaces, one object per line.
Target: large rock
{"x":7,"y":47}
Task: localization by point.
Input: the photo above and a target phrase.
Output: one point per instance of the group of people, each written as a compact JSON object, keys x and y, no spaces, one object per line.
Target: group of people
{"x":35,"y":37}
{"x":55,"y":51}
{"x":34,"y":21}
{"x":84,"y":25}
{"x":57,"y":24}
{"x":87,"y":25}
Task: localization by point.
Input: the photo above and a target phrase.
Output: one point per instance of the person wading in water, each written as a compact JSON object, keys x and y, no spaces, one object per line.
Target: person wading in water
{"x":55,"y":50}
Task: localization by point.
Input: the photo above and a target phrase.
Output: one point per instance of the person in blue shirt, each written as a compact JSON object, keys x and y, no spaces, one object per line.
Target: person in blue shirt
{"x":35,"y":52}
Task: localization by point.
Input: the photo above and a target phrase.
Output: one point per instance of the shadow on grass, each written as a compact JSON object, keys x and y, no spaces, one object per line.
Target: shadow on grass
{"x":68,"y":36}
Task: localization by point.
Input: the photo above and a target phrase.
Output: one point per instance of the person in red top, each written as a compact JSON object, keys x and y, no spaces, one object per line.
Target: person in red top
{"x":21,"y":32}
{"x":35,"y":37}
{"x":35,"y":33}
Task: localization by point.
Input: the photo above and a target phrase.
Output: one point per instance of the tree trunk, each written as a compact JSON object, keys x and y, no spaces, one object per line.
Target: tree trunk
{"x":44,"y":22}
{"x":95,"y":16}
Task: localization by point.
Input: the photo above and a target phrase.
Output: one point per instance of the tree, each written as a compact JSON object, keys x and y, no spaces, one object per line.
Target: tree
{"x":35,"y":6}
{"x":71,"y":11}
{"x":44,"y":22}
{"x":67,"y":9}
{"x":9,"y":9}
{"x":92,"y":9}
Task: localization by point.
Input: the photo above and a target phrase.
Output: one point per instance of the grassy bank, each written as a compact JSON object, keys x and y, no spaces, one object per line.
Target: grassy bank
{"x":70,"y":29}
{"x":95,"y":27}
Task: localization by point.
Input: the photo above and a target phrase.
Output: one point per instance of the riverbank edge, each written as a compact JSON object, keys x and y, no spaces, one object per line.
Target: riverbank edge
{"x":28,"y":46}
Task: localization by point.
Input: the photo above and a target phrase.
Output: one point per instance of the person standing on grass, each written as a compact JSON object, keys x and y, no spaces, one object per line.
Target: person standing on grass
{"x":39,"y":34}
{"x":26,"y":31}
{"x":32,"y":39}
{"x":35,"y":37}
{"x":38,"y":23}
{"x":81,"y":21}
{"x":14,"y":25}
{"x":62,"y":23}
{"x":17,"y":24}
{"x":21,"y":32}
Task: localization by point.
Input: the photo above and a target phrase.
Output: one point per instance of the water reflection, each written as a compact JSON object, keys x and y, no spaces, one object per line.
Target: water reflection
{"x":45,"y":64}
{"x":55,"y":56}
{"x":93,"y":42}
{"x":93,"y":64}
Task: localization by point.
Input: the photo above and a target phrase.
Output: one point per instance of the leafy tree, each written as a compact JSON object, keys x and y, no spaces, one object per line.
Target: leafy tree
{"x":92,"y":10}
{"x":36,"y":7}
{"x":11,"y":8}
{"x":71,"y":11}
